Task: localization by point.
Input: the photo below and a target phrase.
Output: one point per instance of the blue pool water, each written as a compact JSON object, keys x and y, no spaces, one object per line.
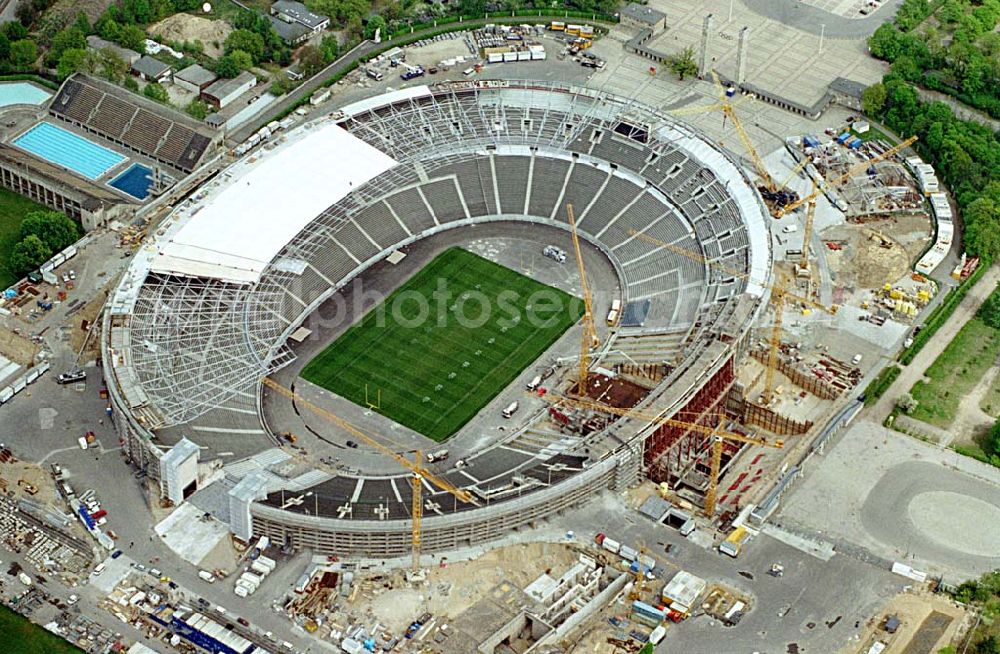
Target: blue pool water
{"x":135,"y":181}
{"x":68,"y":150}
{"x":22,"y":93}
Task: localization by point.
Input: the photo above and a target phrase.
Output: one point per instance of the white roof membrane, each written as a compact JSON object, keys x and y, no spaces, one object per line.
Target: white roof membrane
{"x":237,"y":230}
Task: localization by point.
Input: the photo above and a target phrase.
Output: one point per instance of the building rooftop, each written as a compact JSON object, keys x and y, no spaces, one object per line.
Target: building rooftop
{"x":150,"y":67}
{"x":300,"y":13}
{"x":224,"y":87}
{"x":643,"y":14}
{"x":684,"y":589}
{"x":289,"y":32}
{"x":196,"y":74}
{"x":847,"y":87}
{"x":97,"y":43}
{"x":180,"y":452}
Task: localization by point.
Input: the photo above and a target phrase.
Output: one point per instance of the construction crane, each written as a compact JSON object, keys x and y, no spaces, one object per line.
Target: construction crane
{"x":589,"y":339}
{"x":417,"y":514}
{"x":716,"y":434}
{"x":728,"y":109}
{"x":795,"y":171}
{"x":807,"y":235}
{"x":779,"y":294}
{"x":420,"y":472}
{"x":851,"y":172}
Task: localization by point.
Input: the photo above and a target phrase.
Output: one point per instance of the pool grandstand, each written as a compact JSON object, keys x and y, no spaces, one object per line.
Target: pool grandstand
{"x":96,"y":151}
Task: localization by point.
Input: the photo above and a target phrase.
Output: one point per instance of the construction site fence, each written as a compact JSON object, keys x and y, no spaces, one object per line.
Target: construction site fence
{"x":941,"y":313}
{"x":772,"y":421}
{"x":801,"y":378}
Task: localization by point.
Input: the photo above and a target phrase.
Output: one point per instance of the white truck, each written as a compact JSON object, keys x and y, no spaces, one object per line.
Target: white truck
{"x":207,"y":576}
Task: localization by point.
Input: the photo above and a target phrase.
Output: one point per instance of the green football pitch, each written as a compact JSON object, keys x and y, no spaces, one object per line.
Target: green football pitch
{"x":445,"y":343}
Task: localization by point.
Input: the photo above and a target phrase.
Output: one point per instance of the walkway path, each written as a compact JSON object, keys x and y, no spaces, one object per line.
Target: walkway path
{"x":962,"y":110}
{"x":915,"y":371}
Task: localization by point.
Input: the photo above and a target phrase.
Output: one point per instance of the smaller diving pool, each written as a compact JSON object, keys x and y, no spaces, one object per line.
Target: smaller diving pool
{"x":22,"y":93}
{"x":135,"y":181}
{"x":66,"y":149}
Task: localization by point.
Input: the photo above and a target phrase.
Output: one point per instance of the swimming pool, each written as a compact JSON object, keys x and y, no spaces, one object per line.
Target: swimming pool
{"x":22,"y":93}
{"x":68,"y":150}
{"x":135,"y":181}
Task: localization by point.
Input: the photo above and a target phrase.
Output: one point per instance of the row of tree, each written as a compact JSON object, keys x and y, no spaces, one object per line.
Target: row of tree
{"x":960,"y":57}
{"x":42,"y":234}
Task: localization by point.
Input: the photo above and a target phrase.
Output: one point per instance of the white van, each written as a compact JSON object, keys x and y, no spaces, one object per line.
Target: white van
{"x":510,"y":410}
{"x":469,"y":72}
{"x":535,"y":382}
{"x":98,"y":570}
{"x":790,"y":229}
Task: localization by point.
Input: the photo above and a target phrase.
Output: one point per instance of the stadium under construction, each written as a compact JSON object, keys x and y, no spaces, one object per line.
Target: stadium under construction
{"x":206,"y":315}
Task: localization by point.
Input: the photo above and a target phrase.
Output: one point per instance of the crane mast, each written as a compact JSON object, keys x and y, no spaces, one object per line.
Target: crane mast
{"x":589,"y":339}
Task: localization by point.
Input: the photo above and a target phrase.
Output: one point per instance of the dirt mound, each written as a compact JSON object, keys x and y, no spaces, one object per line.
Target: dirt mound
{"x":185,"y":27}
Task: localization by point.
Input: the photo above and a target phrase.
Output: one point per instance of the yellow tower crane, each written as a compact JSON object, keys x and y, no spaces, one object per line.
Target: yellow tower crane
{"x":851,"y":172}
{"x":716,"y":434}
{"x":420,"y":472}
{"x":779,"y":294}
{"x":589,"y":339}
{"x":727,"y":106}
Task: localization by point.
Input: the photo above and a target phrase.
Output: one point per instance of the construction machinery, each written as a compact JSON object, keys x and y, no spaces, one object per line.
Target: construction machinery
{"x":780,"y":211}
{"x":589,"y":339}
{"x":716,"y":434}
{"x":779,"y":295}
{"x":726,"y":105}
{"x":420,"y":473}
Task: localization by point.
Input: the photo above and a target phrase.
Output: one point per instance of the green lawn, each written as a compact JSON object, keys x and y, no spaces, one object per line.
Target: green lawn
{"x":956,"y":372}
{"x":12,"y":210}
{"x":19,"y":636}
{"x":435,"y":373}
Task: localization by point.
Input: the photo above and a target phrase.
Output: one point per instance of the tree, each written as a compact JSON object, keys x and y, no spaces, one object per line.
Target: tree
{"x":873,"y":99}
{"x":132,"y":37}
{"x":15,"y":31}
{"x":247,"y":41}
{"x":54,"y":229}
{"x":907,"y":403}
{"x":28,"y":254}
{"x":71,"y":37}
{"x":682,"y":64}
{"x":73,"y":60}
{"x":112,"y":66}
{"x":155,"y":91}
{"x":4,"y":47}
{"x":23,"y":54}
{"x":310,"y":60}
{"x":197,"y":109}
{"x":330,"y":48}
{"x":374,"y":24}
{"x":884,"y":43}
{"x":233,"y":64}
{"x":988,"y":645}
{"x":982,"y":230}
{"x":108,"y":28}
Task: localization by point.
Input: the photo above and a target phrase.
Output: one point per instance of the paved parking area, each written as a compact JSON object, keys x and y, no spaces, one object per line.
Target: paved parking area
{"x":901,"y":499}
